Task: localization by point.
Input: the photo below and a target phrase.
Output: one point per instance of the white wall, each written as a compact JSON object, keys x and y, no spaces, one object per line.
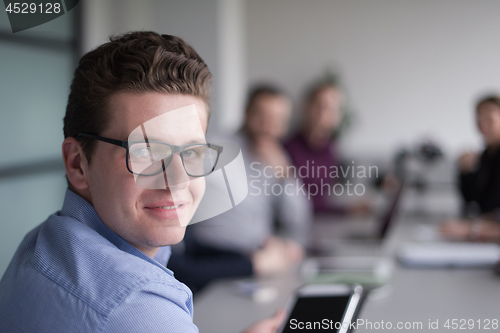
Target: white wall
{"x":411,"y":68}
{"x":231,"y":83}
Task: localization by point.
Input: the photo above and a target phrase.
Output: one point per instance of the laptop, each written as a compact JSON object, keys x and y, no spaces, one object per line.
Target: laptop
{"x":358,"y":257}
{"x":357,"y":233}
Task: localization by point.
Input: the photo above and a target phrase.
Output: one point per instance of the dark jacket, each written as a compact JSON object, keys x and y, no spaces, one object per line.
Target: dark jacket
{"x":483,"y":184}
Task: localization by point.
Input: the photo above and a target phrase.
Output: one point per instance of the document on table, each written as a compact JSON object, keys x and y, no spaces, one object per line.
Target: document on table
{"x":448,"y":254}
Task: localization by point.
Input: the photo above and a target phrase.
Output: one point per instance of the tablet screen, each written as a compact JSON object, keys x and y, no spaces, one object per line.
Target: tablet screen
{"x":317,"y":313}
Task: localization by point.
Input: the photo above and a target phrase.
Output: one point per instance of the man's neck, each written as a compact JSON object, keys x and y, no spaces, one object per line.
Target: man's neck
{"x":149,"y":251}
{"x":83,"y":193}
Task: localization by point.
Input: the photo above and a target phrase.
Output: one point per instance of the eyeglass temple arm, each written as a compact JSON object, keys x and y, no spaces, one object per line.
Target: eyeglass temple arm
{"x":100,"y":138}
{"x":219,"y":148}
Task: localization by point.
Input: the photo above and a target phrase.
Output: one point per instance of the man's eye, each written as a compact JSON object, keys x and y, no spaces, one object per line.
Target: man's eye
{"x":192,"y":153}
{"x":140,"y":152}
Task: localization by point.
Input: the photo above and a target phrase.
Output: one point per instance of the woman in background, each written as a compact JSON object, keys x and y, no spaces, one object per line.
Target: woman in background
{"x":314,"y":145}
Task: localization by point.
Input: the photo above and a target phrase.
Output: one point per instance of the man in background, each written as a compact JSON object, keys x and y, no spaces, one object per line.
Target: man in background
{"x":265,"y":234}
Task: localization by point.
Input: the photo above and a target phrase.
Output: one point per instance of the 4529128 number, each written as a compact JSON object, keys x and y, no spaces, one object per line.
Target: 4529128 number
{"x":32,"y":8}
{"x":471,"y":324}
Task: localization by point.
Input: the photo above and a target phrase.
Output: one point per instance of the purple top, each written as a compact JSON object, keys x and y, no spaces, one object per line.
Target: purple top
{"x":313,"y":166}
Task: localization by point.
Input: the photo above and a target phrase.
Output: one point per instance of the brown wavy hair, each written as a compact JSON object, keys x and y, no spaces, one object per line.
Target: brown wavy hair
{"x":136,"y":62}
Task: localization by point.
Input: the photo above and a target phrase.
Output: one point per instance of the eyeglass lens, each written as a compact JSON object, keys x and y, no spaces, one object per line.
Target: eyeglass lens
{"x":146,"y":158}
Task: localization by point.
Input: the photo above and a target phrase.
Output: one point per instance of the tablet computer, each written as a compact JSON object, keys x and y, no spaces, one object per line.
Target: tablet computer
{"x":316,"y":308}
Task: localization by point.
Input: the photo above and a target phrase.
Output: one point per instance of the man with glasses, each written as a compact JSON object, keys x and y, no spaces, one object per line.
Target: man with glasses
{"x":135,"y":156}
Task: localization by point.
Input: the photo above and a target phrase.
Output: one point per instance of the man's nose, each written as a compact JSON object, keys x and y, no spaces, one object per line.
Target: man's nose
{"x":175,"y":175}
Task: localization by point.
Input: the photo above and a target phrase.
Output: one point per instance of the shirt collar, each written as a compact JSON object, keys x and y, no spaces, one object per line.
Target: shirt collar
{"x":80,"y":209}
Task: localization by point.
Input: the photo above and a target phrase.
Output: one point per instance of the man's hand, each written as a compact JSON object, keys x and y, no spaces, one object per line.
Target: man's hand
{"x":468,"y":161}
{"x":269,"y":325}
{"x":277,"y":255}
{"x":457,"y":229}
{"x":461,"y":230}
{"x":360,"y":208}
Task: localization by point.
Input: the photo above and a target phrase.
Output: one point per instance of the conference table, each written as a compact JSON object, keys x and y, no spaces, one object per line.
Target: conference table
{"x":412,"y":300}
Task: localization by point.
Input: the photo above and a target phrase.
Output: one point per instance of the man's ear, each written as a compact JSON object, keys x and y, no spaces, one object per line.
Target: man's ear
{"x":76,"y":163}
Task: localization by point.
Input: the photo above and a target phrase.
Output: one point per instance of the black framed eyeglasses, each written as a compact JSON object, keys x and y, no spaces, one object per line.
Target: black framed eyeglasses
{"x":150,"y":158}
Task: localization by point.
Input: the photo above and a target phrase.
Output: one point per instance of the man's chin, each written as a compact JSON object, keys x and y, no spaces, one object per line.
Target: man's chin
{"x":175,"y":236}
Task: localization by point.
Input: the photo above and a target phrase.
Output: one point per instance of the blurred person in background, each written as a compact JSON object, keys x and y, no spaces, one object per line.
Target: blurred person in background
{"x":314,"y":146}
{"x":266,"y":232}
{"x":479,"y":181}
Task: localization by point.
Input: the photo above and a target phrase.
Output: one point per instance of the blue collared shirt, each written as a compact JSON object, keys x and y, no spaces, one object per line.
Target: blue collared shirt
{"x":73,"y":274}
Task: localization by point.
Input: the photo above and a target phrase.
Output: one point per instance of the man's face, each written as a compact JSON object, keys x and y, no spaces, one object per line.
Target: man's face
{"x":269,"y":116}
{"x":488,"y":122}
{"x":146,"y":218}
